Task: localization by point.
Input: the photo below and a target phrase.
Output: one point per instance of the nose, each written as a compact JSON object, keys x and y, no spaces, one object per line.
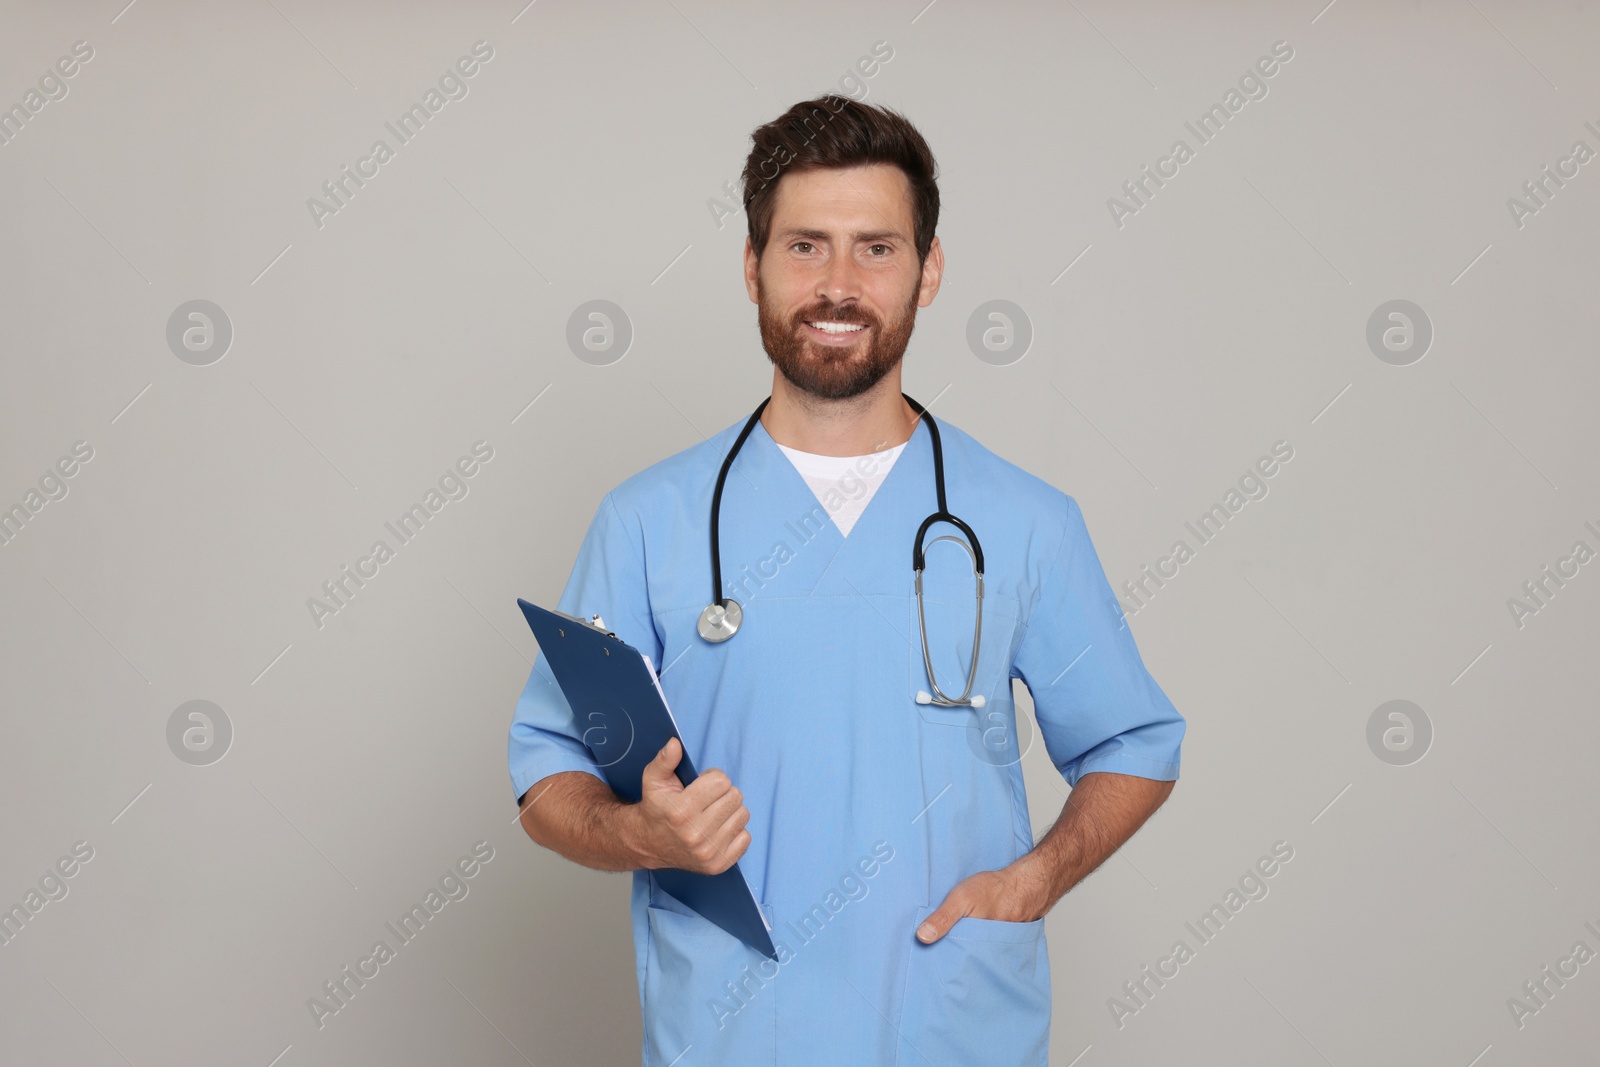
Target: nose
{"x":840,"y":281}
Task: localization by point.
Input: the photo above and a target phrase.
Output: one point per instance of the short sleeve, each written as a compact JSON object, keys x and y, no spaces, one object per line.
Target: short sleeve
{"x":1098,"y":707}
{"x":608,"y":580}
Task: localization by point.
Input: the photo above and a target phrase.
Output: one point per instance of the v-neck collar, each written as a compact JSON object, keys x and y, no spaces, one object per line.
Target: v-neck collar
{"x":889,"y":487}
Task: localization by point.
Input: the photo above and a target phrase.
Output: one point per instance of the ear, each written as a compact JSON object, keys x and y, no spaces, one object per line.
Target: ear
{"x":752,"y":267}
{"x":932,"y":274}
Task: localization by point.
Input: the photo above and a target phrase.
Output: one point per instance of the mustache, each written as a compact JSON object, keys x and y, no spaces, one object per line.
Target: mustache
{"x":837,"y":314}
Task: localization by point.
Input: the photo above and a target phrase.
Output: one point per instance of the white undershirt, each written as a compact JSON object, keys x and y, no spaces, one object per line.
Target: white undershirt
{"x":843,"y":484}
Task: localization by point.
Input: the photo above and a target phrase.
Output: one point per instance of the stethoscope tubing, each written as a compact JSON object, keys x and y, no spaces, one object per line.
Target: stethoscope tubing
{"x":722,"y":629}
{"x":716,"y":504}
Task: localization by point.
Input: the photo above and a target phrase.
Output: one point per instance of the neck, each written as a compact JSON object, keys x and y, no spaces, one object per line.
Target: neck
{"x":878,"y":419}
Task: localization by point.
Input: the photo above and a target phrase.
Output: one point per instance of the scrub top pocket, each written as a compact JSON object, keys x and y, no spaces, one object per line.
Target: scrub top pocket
{"x":979,"y":995}
{"x":688,"y":1001}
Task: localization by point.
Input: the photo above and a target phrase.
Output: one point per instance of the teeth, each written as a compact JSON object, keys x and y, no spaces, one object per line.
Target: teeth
{"x":838,"y":327}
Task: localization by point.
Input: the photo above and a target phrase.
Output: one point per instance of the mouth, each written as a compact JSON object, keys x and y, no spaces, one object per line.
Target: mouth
{"x":835,"y":333}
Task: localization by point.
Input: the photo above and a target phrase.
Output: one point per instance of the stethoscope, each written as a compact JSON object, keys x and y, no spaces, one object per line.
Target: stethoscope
{"x":722,"y":617}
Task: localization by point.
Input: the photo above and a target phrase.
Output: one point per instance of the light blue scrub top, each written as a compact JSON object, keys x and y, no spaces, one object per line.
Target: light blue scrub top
{"x":865,"y":806}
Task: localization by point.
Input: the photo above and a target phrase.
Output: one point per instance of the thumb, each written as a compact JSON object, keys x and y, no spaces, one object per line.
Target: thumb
{"x":660,"y":768}
{"x":943,"y":918}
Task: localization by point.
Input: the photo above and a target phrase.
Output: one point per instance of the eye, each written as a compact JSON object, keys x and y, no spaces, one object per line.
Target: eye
{"x":886,"y":250}
{"x":799,"y":244}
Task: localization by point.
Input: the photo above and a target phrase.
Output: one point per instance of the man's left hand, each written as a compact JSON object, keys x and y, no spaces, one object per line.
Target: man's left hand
{"x":1017,"y":893}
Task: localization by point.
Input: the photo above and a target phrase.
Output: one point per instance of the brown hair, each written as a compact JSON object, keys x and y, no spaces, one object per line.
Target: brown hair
{"x":836,"y":131}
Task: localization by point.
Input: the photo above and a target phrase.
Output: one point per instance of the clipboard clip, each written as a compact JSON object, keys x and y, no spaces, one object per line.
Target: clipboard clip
{"x":597,"y":624}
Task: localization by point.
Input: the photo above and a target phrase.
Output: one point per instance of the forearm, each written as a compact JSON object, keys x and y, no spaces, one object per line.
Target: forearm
{"x":577,"y":815}
{"x":1103,"y":811}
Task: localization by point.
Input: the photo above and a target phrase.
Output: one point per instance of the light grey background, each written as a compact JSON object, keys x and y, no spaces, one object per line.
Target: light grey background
{"x":369,"y":354}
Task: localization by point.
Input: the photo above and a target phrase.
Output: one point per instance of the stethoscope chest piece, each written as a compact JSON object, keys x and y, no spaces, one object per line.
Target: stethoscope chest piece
{"x":720,"y":621}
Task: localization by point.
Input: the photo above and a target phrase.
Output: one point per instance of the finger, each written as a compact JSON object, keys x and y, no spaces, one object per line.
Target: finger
{"x":667,"y":758}
{"x":734,"y":849}
{"x":707,"y":820}
{"x":717,"y":842}
{"x":718,"y":826}
{"x":939,"y":923}
{"x":665,"y":761}
{"x":736,"y":821}
{"x":710,"y":786}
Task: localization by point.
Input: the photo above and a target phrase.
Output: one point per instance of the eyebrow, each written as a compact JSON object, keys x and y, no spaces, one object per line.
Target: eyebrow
{"x":857,"y":237}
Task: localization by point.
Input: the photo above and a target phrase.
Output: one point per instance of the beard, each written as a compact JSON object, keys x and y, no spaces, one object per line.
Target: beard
{"x":834,"y":372}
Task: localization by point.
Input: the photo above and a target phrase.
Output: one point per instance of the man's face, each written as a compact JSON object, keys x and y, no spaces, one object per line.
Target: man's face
{"x":840,"y":251}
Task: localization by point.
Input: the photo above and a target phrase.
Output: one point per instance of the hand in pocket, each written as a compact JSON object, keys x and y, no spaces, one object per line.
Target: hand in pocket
{"x":1011,"y":894}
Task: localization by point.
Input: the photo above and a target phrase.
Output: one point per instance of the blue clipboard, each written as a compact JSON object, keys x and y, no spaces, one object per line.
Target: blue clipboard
{"x":623,"y":718}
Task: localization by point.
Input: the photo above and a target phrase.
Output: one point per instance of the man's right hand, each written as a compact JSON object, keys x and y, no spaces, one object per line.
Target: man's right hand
{"x":700,"y":827}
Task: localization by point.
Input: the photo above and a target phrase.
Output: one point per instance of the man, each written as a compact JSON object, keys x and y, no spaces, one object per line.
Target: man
{"x":886,"y":838}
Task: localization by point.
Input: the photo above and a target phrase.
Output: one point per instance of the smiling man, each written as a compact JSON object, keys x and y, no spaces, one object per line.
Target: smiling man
{"x":858,"y":722}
